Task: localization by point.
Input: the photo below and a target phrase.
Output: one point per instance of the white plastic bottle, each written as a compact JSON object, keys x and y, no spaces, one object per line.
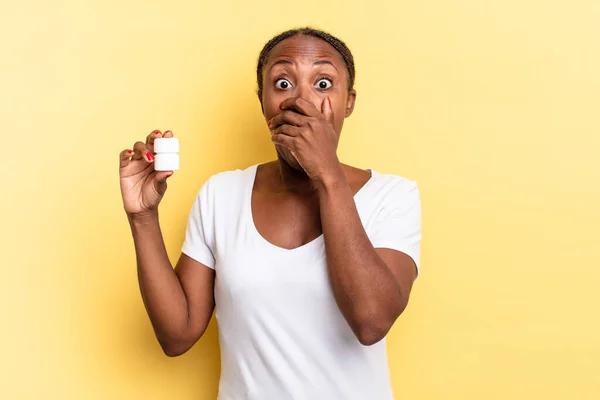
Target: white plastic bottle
{"x":166,"y":158}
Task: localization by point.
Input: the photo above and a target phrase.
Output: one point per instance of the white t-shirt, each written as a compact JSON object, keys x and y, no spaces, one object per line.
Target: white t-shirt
{"x":281,"y":333}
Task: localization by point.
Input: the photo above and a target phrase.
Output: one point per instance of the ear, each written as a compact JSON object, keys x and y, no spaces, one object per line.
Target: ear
{"x":350,"y":102}
{"x":259,"y":95}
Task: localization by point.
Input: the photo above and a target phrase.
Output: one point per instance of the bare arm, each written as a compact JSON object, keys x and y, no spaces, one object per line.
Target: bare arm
{"x":179,"y":302}
{"x":371,"y":286}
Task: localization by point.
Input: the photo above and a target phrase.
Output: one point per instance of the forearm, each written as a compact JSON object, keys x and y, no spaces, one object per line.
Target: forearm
{"x":162,"y":293}
{"x":364,"y":287}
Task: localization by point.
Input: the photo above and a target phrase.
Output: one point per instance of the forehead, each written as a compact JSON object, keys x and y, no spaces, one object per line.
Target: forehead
{"x":307,"y":48}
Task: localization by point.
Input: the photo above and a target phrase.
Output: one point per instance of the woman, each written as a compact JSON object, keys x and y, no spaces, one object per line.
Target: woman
{"x":308,"y":261}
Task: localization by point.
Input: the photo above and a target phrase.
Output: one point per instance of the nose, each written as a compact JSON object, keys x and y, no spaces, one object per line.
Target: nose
{"x":306,"y":91}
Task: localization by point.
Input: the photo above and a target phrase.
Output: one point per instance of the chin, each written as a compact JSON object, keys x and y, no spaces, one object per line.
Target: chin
{"x":285,"y":155}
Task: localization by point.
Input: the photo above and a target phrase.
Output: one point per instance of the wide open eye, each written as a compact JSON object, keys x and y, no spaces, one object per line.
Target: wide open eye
{"x":283,"y":84}
{"x":324,"y":84}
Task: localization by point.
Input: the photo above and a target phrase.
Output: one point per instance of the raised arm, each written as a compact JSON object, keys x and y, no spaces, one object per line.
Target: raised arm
{"x":371,"y":286}
{"x":179,"y":302}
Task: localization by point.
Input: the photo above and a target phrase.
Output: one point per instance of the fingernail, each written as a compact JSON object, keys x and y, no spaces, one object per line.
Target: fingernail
{"x":269,"y":122}
{"x":168,"y":176}
{"x":149,"y":156}
{"x":157,"y":133}
{"x":281,"y":104}
{"x":168,"y":132}
{"x":329,"y":100}
{"x":130,"y":151}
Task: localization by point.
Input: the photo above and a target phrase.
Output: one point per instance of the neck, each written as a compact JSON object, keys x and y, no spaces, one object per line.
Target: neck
{"x":292,"y":179}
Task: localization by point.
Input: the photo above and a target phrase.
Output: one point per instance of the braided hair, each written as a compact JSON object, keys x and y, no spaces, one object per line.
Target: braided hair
{"x":332,"y":40}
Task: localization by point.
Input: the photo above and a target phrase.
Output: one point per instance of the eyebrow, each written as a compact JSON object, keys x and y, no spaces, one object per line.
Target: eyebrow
{"x":281,"y":62}
{"x":288,"y":62}
{"x":321,"y":62}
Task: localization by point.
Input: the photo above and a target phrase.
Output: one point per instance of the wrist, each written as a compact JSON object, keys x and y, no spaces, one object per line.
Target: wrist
{"x":142,"y":218}
{"x":331,"y":180}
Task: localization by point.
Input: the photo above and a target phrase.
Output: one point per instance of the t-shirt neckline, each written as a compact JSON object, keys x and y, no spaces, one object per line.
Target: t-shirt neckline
{"x":315,"y":248}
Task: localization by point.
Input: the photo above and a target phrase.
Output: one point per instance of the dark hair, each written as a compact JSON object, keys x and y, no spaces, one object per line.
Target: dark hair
{"x":332,"y":40}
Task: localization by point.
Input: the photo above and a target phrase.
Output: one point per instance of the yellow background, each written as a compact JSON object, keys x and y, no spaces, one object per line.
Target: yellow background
{"x":492,"y":106}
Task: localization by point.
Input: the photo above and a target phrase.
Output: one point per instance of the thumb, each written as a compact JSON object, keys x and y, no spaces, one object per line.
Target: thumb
{"x":327,"y":110}
{"x":162,"y":176}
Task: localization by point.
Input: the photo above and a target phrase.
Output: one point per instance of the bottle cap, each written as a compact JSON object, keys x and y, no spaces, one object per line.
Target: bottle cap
{"x":166,"y":145}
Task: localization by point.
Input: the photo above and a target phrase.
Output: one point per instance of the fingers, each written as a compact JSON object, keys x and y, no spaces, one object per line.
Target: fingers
{"x":327,"y":110}
{"x":301,"y":105}
{"x":287,"y":117}
{"x":284,"y":140}
{"x":288,"y":130}
{"x":155,"y":134}
{"x":125,"y":157}
{"x":286,"y":135}
{"x":141,"y":151}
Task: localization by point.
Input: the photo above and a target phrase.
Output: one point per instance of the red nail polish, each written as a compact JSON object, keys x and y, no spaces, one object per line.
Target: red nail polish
{"x":329,"y":100}
{"x":130,"y":151}
{"x":269,"y":122}
{"x":281,"y":104}
{"x":150,"y":156}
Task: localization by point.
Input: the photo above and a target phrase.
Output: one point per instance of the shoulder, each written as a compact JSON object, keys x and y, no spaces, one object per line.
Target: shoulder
{"x":226,"y":184}
{"x":394,"y":188}
{"x":226,"y":178}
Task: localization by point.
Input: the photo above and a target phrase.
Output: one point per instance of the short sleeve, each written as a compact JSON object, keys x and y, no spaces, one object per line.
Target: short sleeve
{"x":199,"y":235}
{"x":398,"y":224}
